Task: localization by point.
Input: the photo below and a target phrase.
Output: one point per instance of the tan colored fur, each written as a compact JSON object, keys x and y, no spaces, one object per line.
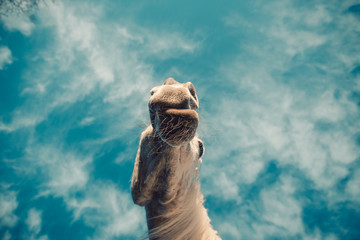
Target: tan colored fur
{"x":166,"y":176}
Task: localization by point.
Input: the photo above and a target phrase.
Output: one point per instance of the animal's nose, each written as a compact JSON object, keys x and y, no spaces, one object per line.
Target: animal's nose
{"x":173,"y":96}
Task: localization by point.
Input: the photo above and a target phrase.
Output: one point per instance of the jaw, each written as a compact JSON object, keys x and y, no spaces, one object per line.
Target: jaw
{"x":176,"y":126}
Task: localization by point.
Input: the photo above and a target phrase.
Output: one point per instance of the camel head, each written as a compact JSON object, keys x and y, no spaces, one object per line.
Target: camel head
{"x":172,"y":111}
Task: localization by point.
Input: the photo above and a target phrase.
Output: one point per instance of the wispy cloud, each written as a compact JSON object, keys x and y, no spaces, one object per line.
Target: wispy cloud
{"x":280,"y":115}
{"x":5,"y":57}
{"x":8,"y":203}
{"x":293,"y":125}
{"x":353,"y":186}
{"x":34,"y":220}
{"x":278,"y":110}
{"x":102,"y":204}
{"x":281,"y":215}
{"x":18,"y":22}
{"x":34,"y":224}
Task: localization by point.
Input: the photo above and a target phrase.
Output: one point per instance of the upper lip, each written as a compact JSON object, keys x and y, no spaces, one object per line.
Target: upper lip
{"x":165,"y":106}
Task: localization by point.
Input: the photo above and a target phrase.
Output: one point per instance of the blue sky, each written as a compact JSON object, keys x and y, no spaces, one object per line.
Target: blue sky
{"x":279,"y":89}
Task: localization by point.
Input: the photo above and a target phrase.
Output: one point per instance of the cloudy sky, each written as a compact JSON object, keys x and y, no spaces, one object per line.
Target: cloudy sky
{"x":279,"y":89}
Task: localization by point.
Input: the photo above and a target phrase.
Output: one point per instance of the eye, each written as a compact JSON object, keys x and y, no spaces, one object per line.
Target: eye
{"x":152,"y":91}
{"x":201,"y":149}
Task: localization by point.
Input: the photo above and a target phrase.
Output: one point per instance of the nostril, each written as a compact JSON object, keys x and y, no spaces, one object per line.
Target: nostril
{"x":191,"y":88}
{"x":188,"y":105}
{"x":153,"y":90}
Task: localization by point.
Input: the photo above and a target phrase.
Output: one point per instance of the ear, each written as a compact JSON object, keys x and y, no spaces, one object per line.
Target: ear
{"x":170,"y":81}
{"x":201,"y":148}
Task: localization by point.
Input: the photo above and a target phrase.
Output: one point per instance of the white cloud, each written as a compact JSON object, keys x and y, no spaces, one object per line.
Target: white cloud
{"x":273,"y":125}
{"x":250,"y":169}
{"x":66,"y":174}
{"x":87,"y":121}
{"x":227,"y":188}
{"x":276,"y":213}
{"x":5,"y":57}
{"x":64,"y":171}
{"x":157,"y":43}
{"x":306,"y":123}
{"x":17,"y":22}
{"x":329,"y":109}
{"x":125,"y":217}
{"x":293,"y":39}
{"x":286,"y":26}
{"x":165,"y":45}
{"x":274,"y":119}
{"x":312,"y":154}
{"x":33,"y":220}
{"x":353,"y":186}
{"x":21,"y":121}
{"x":316,"y":17}
{"x":281,"y":209}
{"x":230,"y":229}
{"x":297,"y":42}
{"x":318,"y":235}
{"x":346,"y":152}
{"x":4,"y":127}
{"x":110,"y":211}
{"x":8,"y":204}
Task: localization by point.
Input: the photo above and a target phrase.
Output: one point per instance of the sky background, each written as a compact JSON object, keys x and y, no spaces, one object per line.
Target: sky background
{"x":279,"y":89}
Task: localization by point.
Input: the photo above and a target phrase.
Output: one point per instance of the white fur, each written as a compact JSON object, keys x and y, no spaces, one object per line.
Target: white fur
{"x":182,"y":212}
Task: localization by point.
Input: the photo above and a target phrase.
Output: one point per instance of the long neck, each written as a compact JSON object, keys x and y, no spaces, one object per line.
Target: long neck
{"x":179,"y":212}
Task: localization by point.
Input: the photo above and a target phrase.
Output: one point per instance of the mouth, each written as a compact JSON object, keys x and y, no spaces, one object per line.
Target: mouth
{"x":183,"y":113}
{"x":175,"y":126}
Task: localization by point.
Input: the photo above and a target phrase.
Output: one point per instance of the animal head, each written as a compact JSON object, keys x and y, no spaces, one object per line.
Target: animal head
{"x":172,"y":111}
